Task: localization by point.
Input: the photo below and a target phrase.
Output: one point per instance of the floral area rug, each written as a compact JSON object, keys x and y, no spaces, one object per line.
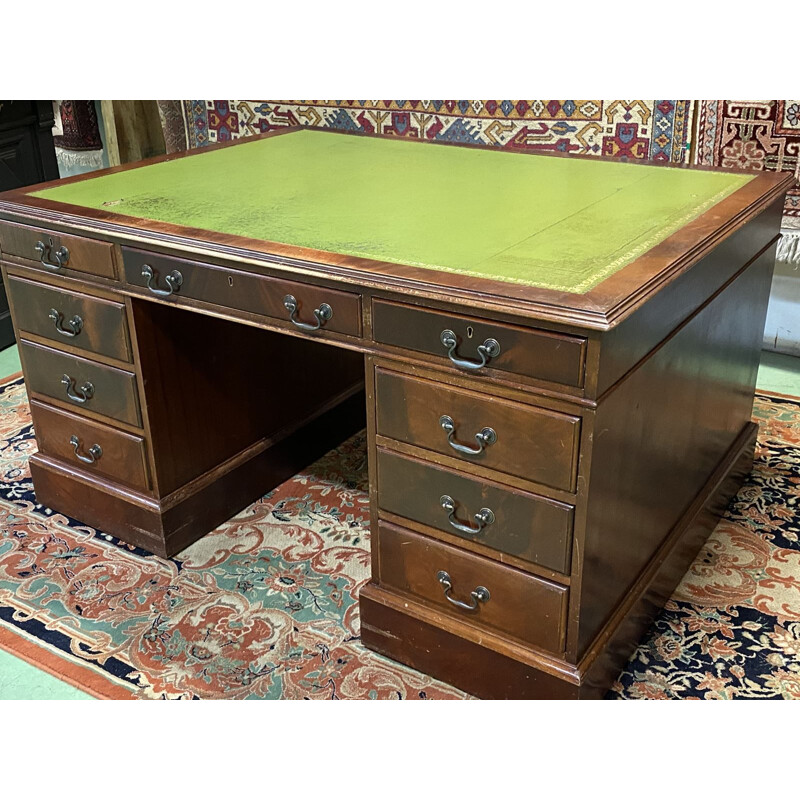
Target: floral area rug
{"x":266,"y":606}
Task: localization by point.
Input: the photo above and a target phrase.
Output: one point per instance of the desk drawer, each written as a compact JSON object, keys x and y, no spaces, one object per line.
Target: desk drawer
{"x":84,"y":255}
{"x":101,"y":325}
{"x":521,"y":524}
{"x":547,"y":356}
{"x":528,"y":608}
{"x":247,"y":291}
{"x":531,"y":443}
{"x":96,"y":448}
{"x":91,"y":386}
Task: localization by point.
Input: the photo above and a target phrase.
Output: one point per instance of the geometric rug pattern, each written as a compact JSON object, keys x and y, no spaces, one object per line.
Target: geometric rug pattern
{"x":625,"y":129}
{"x":760,"y":135}
{"x":266,"y":606}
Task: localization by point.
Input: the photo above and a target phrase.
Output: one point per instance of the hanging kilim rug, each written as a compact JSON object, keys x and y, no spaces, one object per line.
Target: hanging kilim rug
{"x":266,"y":606}
{"x":759,"y":135}
{"x":625,"y":129}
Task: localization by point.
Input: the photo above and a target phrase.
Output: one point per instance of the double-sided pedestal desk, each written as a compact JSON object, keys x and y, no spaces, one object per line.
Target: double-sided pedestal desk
{"x":555,"y":358}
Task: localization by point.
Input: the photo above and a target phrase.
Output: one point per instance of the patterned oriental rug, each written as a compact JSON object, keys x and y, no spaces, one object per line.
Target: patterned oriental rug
{"x":78,"y":128}
{"x":762,"y":135}
{"x":266,"y":605}
{"x":76,"y":135}
{"x":627,"y":129}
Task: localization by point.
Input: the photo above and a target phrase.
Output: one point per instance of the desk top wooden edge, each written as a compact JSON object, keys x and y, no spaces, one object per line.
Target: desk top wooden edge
{"x":601,"y":308}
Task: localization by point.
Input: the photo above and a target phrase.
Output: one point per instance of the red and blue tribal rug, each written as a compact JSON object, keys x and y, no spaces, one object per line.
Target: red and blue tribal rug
{"x":626,"y":129}
{"x":266,"y":606}
{"x":759,"y":135}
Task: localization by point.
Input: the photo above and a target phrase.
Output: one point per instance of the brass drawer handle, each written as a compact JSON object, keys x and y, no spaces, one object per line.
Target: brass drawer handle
{"x":174,"y":281}
{"x":321,"y":314}
{"x":75,"y":325}
{"x":85,"y":392}
{"x":484,"y":438}
{"x":489,"y":349}
{"x":480,"y":595}
{"x":483,"y":518}
{"x":61,"y":255}
{"x":95,"y":451}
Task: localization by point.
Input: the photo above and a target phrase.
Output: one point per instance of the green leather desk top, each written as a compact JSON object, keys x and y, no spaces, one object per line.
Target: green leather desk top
{"x":554,"y":223}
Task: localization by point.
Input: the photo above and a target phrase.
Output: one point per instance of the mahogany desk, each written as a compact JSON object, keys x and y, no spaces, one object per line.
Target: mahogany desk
{"x":559,"y":357}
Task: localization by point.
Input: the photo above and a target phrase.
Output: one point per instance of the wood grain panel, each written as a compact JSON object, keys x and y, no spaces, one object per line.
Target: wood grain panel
{"x":529,"y":609}
{"x":665,"y":430}
{"x":115,"y":393}
{"x":532,"y":443}
{"x":123,"y":454}
{"x":104,"y":329}
{"x":85,"y":255}
{"x":525,"y":351}
{"x":213,"y":388}
{"x":526,"y":525}
{"x":246,"y":291}
{"x":427,"y":646}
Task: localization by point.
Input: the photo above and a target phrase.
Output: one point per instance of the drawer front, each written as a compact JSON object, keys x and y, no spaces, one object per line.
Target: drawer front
{"x":521,"y":524}
{"x":534,"y":444}
{"x":528,"y":608}
{"x":83,"y":255}
{"x":247,"y":291}
{"x":537,"y":354}
{"x":108,"y":391}
{"x":90,"y":445}
{"x":100,"y":324}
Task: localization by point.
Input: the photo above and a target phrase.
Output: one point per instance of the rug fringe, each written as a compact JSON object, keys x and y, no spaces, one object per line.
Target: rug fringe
{"x":789,"y":247}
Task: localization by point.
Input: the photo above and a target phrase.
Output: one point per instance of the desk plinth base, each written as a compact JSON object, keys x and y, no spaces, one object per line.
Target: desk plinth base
{"x":493,"y":669}
{"x":168,"y":526}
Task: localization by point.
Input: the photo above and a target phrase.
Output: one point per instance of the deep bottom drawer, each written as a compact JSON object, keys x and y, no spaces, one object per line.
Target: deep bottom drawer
{"x":499,"y":598}
{"x":92,"y":446}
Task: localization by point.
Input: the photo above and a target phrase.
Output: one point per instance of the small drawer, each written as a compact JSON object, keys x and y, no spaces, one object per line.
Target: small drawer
{"x":500,"y":599}
{"x":521,"y":524}
{"x":88,"y":323}
{"x":316,"y":307}
{"x":86,"y":384}
{"x":57,"y":252}
{"x":534,"y":444}
{"x":90,"y":445}
{"x":476,"y":346}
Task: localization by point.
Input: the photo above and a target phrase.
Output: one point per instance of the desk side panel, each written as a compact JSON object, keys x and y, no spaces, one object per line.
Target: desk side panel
{"x":660,"y":435}
{"x":625,"y":345}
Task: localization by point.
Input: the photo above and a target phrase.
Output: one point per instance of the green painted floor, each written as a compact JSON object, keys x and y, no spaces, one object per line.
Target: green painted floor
{"x":20,"y":681}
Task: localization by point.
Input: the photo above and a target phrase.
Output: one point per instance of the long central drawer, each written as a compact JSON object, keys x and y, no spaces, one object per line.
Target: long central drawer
{"x":246,"y":291}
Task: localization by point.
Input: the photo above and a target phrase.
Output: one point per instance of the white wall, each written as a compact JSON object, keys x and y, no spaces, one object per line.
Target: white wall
{"x":782,"y":329}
